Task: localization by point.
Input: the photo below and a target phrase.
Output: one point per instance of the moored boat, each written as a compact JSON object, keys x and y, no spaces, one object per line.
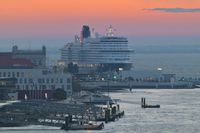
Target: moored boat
{"x":88,"y":126}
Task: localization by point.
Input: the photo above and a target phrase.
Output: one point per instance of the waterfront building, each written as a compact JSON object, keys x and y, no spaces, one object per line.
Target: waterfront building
{"x":37,"y":57}
{"x":33,"y":79}
{"x":39,"y":82}
{"x":28,"y":58}
{"x":98,"y":54}
{"x":7,"y":61}
{"x":7,"y":88}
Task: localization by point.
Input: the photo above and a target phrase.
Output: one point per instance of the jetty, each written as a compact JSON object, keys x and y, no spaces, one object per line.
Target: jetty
{"x":68,"y":116}
{"x":48,"y":113}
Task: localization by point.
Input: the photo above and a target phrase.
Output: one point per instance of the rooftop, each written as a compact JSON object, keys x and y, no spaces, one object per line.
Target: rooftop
{"x":6,"y":60}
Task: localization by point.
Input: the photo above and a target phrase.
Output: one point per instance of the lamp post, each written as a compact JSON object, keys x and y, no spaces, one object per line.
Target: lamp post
{"x":159,"y":69}
{"x":108,"y":81}
{"x":120,"y":73}
{"x":108,"y":85}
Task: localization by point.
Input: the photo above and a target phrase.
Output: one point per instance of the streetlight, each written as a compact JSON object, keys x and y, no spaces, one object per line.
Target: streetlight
{"x":120,"y":72}
{"x":159,"y":69}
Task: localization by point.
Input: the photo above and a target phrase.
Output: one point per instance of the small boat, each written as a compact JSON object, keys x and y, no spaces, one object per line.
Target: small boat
{"x":89,"y":126}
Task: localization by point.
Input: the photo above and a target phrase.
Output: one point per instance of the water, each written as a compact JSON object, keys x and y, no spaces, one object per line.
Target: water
{"x":179,"y":113}
{"x":182,"y":59}
{"x":180,"y":109}
{"x":182,"y":64}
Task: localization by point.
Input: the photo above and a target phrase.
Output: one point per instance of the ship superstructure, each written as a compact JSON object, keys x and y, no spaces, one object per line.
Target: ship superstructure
{"x":104,"y":53}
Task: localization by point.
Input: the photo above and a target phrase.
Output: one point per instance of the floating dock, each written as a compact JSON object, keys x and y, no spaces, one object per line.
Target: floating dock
{"x":144,"y":105}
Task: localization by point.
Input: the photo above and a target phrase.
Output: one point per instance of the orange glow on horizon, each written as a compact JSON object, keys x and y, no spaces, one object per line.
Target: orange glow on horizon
{"x":57,"y":13}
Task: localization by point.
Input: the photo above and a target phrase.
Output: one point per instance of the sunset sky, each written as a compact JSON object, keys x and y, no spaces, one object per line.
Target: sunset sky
{"x":62,"y":18}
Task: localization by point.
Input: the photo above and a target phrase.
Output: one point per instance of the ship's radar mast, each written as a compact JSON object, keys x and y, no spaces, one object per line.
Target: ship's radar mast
{"x":110,"y":31}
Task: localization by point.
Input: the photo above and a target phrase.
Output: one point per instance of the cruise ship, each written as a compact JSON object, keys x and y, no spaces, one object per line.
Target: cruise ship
{"x":103,"y":53}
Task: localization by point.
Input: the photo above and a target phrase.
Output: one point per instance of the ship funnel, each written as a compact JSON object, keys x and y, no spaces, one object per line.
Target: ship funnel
{"x":85,"y":31}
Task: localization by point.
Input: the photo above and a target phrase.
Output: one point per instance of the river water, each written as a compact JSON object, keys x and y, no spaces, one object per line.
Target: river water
{"x":179,"y":113}
{"x":181,"y":64}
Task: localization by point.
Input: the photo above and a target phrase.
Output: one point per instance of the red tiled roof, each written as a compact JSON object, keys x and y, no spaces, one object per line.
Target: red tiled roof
{"x":6,"y":60}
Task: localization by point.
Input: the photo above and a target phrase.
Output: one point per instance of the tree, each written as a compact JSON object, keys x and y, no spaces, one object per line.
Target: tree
{"x":76,"y":86}
{"x":65,"y":70}
{"x":59,"y":94}
{"x":55,"y":69}
{"x":73,"y":68}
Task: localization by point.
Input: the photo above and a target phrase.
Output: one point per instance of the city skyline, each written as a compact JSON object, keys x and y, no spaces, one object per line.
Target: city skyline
{"x":64,"y":18}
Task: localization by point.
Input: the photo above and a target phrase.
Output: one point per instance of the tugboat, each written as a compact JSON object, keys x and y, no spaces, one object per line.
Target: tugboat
{"x":89,"y":126}
{"x":69,"y":125}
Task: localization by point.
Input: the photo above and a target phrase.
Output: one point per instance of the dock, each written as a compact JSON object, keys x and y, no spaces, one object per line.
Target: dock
{"x":41,"y":112}
{"x":53,"y":113}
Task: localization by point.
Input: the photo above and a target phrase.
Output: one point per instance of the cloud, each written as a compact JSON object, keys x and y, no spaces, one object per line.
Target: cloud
{"x":174,"y":10}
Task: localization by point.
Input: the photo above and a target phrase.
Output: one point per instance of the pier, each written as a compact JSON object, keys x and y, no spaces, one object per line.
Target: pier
{"x":38,"y":112}
{"x":53,"y":113}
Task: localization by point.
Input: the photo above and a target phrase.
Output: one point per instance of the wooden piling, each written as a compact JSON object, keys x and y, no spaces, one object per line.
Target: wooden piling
{"x":142,"y":102}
